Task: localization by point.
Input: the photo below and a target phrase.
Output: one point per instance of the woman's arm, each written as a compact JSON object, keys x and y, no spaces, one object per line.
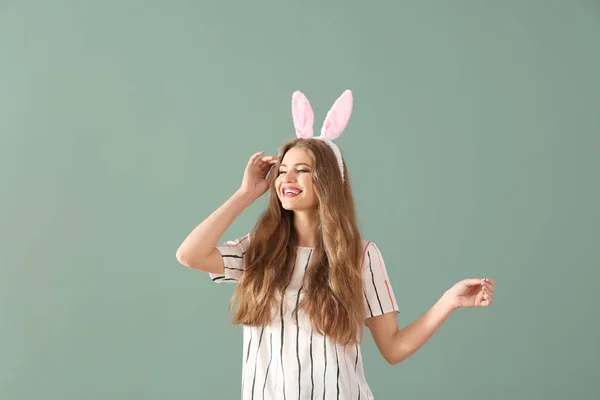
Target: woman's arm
{"x":396,"y":344}
{"x":198,"y":250}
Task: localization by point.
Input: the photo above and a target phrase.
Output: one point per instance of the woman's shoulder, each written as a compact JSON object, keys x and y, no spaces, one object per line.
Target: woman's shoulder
{"x":367,"y":243}
{"x":242,"y":241}
{"x":370,"y":250}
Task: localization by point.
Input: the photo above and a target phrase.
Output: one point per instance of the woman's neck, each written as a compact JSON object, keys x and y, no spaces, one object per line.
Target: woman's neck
{"x":305,"y":225}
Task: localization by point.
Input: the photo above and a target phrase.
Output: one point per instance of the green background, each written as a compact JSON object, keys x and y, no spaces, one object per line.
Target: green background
{"x":473,"y":151}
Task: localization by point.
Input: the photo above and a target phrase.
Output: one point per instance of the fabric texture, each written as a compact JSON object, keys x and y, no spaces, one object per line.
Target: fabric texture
{"x":287,"y":360}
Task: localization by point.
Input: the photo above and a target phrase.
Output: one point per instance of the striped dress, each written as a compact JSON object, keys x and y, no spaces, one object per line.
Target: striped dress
{"x":286,"y":360}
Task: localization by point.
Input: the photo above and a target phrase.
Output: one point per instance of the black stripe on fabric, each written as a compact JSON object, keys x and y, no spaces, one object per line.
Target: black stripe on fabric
{"x":231,"y":256}
{"x":246,"y":362}
{"x":337,"y":362}
{"x":222,"y":279}
{"x":249,"y":344}
{"x":312,"y":381}
{"x":356,"y":371}
{"x":256,"y":359}
{"x":368,"y":304}
{"x":268,"y":366}
{"x":298,"y":354}
{"x":282,"y":328}
{"x":298,"y":331}
{"x":325,"y":370}
{"x":234,"y":269}
{"x":373,"y":279}
{"x":281,"y":350}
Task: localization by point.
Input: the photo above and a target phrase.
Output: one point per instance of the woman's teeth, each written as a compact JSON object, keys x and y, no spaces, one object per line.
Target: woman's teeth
{"x":291,"y":192}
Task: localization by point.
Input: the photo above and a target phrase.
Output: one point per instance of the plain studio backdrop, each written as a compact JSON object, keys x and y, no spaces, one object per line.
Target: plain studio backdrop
{"x":473,"y":151}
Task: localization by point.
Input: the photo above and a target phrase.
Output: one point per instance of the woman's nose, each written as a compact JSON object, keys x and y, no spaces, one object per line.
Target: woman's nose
{"x":289,"y":176}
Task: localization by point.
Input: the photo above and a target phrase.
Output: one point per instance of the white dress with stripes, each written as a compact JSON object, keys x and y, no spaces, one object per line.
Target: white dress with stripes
{"x":288,"y":361}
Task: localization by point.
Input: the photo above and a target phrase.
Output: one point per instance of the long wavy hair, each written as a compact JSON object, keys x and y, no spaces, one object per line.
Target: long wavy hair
{"x":333,"y":298}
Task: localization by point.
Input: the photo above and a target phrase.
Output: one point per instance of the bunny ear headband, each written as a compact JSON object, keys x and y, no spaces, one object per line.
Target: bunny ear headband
{"x":335,"y":121}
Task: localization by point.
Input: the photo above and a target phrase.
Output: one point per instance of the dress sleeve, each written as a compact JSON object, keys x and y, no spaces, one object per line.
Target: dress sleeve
{"x":378,"y":292}
{"x":234,"y":257}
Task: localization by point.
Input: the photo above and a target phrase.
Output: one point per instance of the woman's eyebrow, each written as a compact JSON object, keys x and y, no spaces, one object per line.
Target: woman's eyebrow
{"x":283,"y":165}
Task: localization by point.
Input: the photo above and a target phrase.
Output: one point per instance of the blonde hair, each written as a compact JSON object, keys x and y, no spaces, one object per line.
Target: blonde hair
{"x":333,"y":300}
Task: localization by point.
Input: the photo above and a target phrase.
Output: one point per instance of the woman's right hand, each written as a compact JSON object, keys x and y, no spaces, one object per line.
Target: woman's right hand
{"x":256,"y":180}
{"x":198,"y":249}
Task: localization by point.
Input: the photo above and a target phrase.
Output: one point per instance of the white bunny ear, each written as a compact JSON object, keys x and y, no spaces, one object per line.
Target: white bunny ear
{"x":338,"y":116}
{"x":302,"y":115}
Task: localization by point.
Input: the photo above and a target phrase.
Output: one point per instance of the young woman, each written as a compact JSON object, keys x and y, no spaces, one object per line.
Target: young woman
{"x":306,"y":282}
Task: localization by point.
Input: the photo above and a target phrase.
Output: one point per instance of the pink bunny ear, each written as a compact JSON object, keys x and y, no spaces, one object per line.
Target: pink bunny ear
{"x":302,"y":115}
{"x":338,"y":116}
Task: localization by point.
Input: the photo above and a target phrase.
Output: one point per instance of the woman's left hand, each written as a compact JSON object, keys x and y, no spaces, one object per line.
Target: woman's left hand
{"x":473,"y":292}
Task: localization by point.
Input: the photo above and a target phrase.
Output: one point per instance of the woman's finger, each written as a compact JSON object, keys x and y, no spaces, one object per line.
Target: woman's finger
{"x":486,"y":299}
{"x":267,"y":164}
{"x":266,"y":160}
{"x":487,"y":294}
{"x":252,"y":159}
{"x":472,"y":281}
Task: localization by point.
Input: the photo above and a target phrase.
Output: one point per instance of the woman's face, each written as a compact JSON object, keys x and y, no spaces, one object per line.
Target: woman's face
{"x":294,"y":182}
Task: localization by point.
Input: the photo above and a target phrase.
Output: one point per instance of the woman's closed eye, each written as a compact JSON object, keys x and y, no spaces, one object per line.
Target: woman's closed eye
{"x":301,"y":170}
